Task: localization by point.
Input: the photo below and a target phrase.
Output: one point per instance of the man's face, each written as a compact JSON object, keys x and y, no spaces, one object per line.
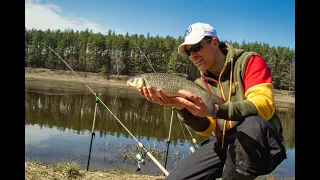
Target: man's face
{"x":203,"y":55}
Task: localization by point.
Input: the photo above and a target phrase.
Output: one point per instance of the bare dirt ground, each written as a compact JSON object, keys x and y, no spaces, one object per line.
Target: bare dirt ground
{"x":280,"y":96}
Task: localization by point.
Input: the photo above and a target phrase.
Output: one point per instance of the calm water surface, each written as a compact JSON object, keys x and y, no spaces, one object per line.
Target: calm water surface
{"x":59,"y":118}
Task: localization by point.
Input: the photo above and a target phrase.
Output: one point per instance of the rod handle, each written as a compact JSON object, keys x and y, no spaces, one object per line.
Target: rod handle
{"x":158,"y":164}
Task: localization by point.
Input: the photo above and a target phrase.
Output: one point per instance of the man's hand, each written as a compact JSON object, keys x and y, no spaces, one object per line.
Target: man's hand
{"x":149,"y":94}
{"x":194,"y":104}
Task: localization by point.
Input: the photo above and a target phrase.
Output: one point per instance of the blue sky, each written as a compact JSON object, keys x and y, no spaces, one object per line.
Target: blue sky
{"x":268,"y":21}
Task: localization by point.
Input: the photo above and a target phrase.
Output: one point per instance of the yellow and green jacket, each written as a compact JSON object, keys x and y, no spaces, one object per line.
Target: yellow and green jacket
{"x":245,"y":83}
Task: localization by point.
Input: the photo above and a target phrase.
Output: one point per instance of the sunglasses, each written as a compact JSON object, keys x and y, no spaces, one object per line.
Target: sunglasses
{"x":197,"y":47}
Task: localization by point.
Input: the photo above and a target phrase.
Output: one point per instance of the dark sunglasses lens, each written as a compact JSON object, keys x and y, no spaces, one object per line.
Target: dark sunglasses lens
{"x":196,"y":47}
{"x":188,"y":52}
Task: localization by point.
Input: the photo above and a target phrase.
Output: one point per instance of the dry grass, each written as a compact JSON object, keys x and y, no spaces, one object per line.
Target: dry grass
{"x":71,"y":171}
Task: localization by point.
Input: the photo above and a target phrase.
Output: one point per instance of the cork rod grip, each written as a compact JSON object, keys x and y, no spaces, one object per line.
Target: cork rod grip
{"x":158,"y":164}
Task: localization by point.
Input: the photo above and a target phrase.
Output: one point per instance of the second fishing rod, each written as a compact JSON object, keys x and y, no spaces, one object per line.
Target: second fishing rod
{"x":192,"y":149}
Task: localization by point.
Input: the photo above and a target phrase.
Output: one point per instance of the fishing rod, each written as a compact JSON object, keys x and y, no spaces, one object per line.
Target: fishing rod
{"x":168,"y":141}
{"x":92,"y":131}
{"x":139,"y":143}
{"x":172,"y":111}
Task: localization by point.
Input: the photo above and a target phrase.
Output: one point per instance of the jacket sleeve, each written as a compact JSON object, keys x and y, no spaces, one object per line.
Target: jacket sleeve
{"x":257,"y":82}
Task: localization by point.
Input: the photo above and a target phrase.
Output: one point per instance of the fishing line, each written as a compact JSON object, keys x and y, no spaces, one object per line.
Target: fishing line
{"x":191,"y":148}
{"x":193,"y":139}
{"x":145,"y":57}
{"x":114,"y":102}
{"x":185,"y":139}
{"x":139,"y":143}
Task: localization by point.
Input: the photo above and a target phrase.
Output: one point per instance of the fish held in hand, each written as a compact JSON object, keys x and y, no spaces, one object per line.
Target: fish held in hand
{"x":170,"y":84}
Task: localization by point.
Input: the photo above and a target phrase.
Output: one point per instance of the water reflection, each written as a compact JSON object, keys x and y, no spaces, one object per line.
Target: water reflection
{"x":59,"y":118}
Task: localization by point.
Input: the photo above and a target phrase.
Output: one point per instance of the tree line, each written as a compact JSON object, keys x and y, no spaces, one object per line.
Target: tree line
{"x":120,"y":54}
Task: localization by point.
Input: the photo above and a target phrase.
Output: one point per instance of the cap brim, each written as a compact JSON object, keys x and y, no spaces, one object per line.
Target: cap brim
{"x":181,"y":48}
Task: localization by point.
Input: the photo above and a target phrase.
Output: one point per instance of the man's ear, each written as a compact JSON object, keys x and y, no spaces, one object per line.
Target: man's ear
{"x":215,"y":41}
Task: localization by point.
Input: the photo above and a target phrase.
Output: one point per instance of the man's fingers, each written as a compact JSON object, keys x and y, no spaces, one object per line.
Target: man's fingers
{"x":154,"y":97}
{"x":146,"y":94}
{"x":184,"y":93}
{"x":151,"y":96}
{"x":141,"y":92}
{"x":187,"y":103}
{"x":190,"y":96}
{"x":164,"y":97}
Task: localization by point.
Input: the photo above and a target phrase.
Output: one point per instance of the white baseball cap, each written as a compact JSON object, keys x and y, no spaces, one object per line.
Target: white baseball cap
{"x":195,"y":33}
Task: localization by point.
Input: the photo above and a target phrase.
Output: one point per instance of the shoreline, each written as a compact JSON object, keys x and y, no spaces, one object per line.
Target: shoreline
{"x":71,"y":170}
{"x":280,"y":96}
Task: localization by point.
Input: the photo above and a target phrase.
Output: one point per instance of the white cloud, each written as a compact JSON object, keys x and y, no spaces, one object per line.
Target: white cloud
{"x":34,"y":134}
{"x":44,"y":16}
